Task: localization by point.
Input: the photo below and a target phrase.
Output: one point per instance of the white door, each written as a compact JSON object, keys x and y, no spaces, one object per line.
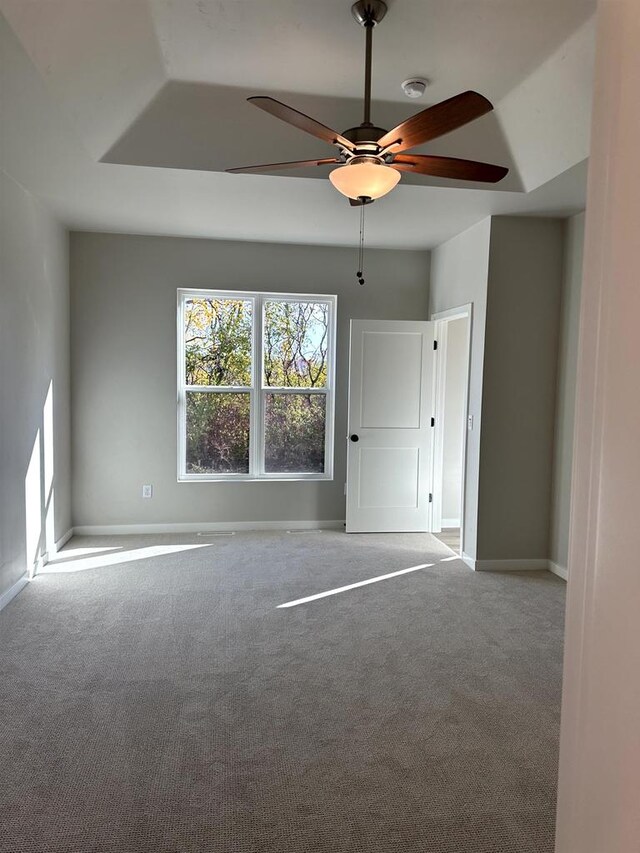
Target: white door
{"x":390,"y":433}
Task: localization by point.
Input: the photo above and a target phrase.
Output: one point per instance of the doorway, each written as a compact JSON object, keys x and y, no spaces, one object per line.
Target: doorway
{"x":453,"y":336}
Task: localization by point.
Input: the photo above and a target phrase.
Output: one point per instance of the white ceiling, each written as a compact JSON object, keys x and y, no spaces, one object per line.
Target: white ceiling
{"x":317,"y":48}
{"x":184,"y":128}
{"x":156,"y":91}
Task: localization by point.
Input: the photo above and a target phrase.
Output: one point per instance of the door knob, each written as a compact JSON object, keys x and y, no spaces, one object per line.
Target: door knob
{"x":354,"y":437}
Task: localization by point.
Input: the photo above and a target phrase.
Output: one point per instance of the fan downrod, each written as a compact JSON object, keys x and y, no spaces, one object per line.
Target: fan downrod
{"x":369,"y":12}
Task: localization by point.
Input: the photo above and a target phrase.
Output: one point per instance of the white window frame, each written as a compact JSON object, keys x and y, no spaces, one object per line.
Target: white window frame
{"x":257,"y":390}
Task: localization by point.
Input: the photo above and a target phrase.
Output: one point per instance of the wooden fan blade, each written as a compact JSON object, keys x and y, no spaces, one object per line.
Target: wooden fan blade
{"x":301,"y":121}
{"x":437,"y":120}
{"x":274,"y":167}
{"x":449,"y":167}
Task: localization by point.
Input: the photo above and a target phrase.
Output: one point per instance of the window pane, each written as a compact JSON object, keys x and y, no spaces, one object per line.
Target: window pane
{"x":217,"y":334}
{"x":294,"y":433}
{"x":217,"y":433}
{"x":296,"y":336}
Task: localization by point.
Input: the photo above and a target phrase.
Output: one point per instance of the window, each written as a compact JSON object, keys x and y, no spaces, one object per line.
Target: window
{"x":255,"y":385}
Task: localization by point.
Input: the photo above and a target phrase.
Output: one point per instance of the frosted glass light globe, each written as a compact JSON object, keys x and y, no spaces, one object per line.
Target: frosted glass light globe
{"x":364,"y":177}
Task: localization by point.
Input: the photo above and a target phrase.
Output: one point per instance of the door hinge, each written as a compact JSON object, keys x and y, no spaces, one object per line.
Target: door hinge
{"x":433,"y":421}
{"x":430,"y":497}
{"x":435,"y":344}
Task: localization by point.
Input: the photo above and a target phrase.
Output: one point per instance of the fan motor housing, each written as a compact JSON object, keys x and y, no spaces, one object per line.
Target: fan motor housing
{"x":364,"y":133}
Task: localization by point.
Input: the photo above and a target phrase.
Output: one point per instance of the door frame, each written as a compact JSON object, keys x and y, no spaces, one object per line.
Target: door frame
{"x":442,"y":320}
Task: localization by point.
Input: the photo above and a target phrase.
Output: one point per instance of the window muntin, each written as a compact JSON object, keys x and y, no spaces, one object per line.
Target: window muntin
{"x":255,"y":385}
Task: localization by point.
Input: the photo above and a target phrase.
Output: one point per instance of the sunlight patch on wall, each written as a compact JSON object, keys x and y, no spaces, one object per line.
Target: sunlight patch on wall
{"x":33,"y":506}
{"x":49,"y":472}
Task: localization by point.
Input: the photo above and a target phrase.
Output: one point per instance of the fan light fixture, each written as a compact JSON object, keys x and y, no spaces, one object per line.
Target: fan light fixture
{"x":364,"y":177}
{"x":370,"y":158}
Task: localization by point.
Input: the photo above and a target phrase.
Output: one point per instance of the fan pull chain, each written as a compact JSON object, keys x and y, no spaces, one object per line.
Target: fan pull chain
{"x":360,"y":273}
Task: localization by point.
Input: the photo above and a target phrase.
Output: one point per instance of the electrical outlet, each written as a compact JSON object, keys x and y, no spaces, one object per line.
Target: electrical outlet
{"x":147,"y":491}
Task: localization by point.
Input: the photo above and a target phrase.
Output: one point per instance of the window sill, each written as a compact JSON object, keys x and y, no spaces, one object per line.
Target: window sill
{"x":310,"y":478}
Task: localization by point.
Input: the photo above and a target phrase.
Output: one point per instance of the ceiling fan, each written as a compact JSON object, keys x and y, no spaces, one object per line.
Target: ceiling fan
{"x":370,"y":158}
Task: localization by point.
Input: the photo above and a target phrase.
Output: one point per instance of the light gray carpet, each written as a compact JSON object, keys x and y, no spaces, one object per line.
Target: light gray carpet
{"x":166,"y":704}
{"x":451,"y":538}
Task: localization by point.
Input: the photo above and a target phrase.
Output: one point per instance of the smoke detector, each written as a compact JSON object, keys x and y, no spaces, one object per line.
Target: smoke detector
{"x":414,"y":87}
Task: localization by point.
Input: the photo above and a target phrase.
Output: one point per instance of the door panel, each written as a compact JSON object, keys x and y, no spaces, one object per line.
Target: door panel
{"x":391,"y":361}
{"x":388,"y":477}
{"x":390,"y":406}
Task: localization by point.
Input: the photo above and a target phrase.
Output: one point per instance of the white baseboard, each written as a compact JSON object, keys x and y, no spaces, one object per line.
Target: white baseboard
{"x":535,"y":565}
{"x":47,"y":555}
{"x":11,"y":593}
{"x":559,"y":570}
{"x":202,"y":527}
{"x":470,"y":561}
{"x":450,"y":522}
{"x":511,"y":565}
{"x":62,"y":541}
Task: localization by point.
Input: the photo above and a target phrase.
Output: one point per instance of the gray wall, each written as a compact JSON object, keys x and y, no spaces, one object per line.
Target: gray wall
{"x":518,"y":398}
{"x":566,"y":390}
{"x":456,"y":368}
{"x":124,"y":367}
{"x":459,"y":275}
{"x":34,"y":351}
{"x":511,"y":269}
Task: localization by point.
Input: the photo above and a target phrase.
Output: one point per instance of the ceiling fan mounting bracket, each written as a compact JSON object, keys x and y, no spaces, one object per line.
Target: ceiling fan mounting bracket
{"x":368,"y":13}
